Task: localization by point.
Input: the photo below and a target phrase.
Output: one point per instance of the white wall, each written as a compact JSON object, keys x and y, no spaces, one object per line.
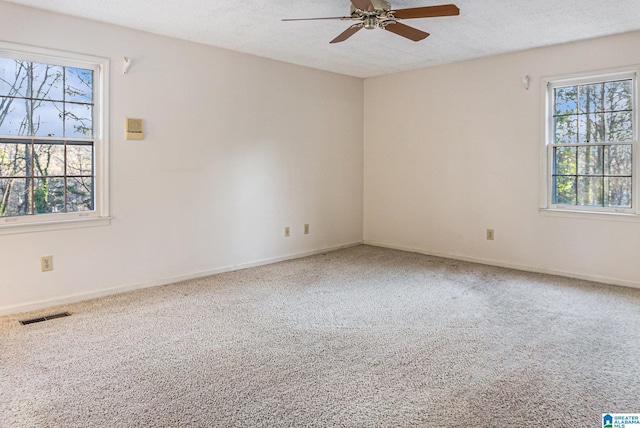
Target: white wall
{"x":453,"y":150}
{"x":237,"y":147}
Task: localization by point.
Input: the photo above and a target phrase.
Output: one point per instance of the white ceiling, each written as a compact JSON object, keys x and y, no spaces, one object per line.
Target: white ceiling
{"x":483,"y":28}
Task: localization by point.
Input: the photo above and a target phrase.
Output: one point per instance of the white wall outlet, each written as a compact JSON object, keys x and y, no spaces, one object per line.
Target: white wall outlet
{"x":490,"y":234}
{"x":287,"y":231}
{"x":306,"y":229}
{"x":46,"y":263}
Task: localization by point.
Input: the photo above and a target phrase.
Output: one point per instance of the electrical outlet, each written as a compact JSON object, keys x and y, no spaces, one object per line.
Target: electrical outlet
{"x":490,"y":234}
{"x":46,"y":263}
{"x":306,"y":229}
{"x":287,"y":231}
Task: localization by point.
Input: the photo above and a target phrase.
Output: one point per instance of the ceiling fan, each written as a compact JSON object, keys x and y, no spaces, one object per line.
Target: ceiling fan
{"x":372,"y":14}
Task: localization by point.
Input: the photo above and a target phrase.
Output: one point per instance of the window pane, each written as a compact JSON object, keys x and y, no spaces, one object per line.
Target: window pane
{"x":14,"y":197}
{"x":591,"y":128}
{"x":618,"y":160}
{"x":618,"y":95}
{"x":79,"y":85}
{"x":590,"y":191}
{"x":78,"y":121}
{"x":591,"y":98}
{"x":16,"y":121}
{"x":13,"y":77}
{"x":48,"y":159}
{"x":619,"y":126}
{"x":564,"y":160}
{"x":13,"y":162}
{"x":564,"y":190}
{"x":48,"y":195}
{"x":566,"y":129}
{"x":47,"y":119}
{"x":47,"y":82}
{"x":80,"y":159}
{"x":566,"y":100}
{"x":79,"y":194}
{"x":617,"y":192}
{"x":590,"y":160}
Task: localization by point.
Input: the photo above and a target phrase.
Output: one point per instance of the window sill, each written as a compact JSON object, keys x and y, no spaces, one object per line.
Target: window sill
{"x":590,"y":215}
{"x":9,"y":229}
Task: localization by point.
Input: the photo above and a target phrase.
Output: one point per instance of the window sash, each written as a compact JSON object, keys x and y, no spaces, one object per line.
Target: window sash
{"x":551,"y":145}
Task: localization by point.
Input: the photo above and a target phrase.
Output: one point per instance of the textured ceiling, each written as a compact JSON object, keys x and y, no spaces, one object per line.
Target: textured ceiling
{"x":483,"y":28}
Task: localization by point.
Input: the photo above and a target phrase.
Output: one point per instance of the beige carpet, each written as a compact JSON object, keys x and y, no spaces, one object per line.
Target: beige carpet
{"x":362,"y":337}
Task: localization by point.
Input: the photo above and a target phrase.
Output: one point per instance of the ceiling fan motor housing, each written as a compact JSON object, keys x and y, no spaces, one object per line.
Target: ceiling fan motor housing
{"x":371,"y":19}
{"x":370,"y":22}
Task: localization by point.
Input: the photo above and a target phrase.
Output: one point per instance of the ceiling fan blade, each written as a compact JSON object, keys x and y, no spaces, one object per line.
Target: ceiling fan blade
{"x":406,"y":31}
{"x":347,"y":33}
{"x":427,"y":11}
{"x":363,"y":4}
{"x":314,"y":19}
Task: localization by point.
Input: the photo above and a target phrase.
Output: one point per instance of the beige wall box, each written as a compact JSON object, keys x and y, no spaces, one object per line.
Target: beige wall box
{"x":134,"y":129}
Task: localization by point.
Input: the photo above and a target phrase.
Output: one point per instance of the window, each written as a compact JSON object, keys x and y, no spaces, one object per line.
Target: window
{"x":53,"y":164}
{"x":591,"y":143}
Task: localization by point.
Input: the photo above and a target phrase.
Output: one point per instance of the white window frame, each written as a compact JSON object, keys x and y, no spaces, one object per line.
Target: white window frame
{"x":100,"y":214}
{"x":546,"y":199}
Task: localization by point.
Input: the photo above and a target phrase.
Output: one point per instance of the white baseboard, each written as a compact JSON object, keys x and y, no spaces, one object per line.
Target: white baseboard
{"x":73,"y":298}
{"x":525,"y":268}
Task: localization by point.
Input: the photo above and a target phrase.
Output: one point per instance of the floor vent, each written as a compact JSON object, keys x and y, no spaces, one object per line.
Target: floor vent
{"x":45,"y":318}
